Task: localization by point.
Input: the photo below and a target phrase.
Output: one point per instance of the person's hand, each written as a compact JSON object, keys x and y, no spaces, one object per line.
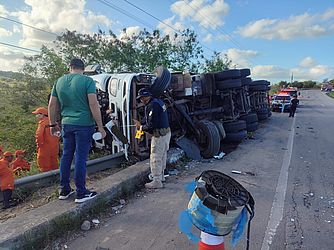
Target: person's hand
{"x":55,"y":131}
{"x":137,"y":123}
{"x":102,"y":131}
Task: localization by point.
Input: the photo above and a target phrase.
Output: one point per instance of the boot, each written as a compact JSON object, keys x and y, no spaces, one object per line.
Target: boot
{"x":156,"y":183}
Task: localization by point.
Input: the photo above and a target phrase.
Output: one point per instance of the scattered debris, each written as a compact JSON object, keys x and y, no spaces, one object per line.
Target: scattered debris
{"x":292,"y":220}
{"x":116,"y":209}
{"x":122,"y":201}
{"x":244,"y":173}
{"x":96,"y":221}
{"x":328,"y":221}
{"x":173,"y":172}
{"x":220,"y":155}
{"x":65,"y":246}
{"x":310,"y":128}
{"x":85,"y":225}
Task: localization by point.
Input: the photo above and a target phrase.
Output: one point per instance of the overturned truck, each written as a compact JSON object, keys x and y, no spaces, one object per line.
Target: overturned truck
{"x":205,"y":110}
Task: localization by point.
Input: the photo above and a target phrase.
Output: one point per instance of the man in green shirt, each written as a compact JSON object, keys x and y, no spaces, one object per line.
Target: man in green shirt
{"x":74,"y":97}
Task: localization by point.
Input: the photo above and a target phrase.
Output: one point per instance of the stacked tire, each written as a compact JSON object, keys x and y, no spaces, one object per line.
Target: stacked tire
{"x":233,"y":78}
{"x":251,"y":120}
{"x":236,"y":131}
{"x":209,"y":138}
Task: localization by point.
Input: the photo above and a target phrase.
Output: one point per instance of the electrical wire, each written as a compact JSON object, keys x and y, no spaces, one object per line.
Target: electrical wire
{"x":19,"y":47}
{"x":30,"y":26}
{"x":177,"y":31}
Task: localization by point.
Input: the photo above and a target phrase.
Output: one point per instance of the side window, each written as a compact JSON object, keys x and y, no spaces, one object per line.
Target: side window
{"x":113,"y":86}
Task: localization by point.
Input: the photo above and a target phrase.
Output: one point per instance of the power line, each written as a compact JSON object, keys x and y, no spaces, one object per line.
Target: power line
{"x":30,"y":26}
{"x":124,"y":12}
{"x":19,"y":47}
{"x":177,"y":31}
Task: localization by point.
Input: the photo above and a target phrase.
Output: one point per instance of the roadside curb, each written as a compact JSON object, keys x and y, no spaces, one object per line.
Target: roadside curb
{"x":37,"y":227}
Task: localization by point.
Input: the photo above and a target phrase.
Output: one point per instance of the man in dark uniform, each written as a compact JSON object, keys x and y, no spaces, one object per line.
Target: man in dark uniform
{"x":294,"y":103}
{"x":155,"y":123}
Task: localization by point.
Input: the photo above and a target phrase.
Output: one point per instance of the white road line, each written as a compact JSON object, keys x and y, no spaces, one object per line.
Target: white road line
{"x":276,"y":213}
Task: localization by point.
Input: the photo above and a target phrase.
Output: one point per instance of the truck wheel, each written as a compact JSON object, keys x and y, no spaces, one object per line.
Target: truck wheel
{"x":246,"y":81}
{"x":227,"y":74}
{"x":234,"y":126}
{"x":260,"y":82}
{"x":228,"y":84}
{"x":258,"y":88}
{"x":209,"y":142}
{"x":161,"y":82}
{"x":236,"y":136}
{"x":251,"y":127}
{"x":220,"y":128}
{"x":244,"y":72}
{"x":249,"y":118}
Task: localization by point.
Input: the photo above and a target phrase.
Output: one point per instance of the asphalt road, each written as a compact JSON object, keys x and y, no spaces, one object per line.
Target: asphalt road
{"x":293,"y":187}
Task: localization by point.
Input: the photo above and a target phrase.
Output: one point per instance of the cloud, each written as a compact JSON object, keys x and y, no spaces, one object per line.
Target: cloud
{"x":55,"y":16}
{"x":305,"y":25}
{"x":10,"y":59}
{"x":208,"y":15}
{"x":307,"y":62}
{"x":241,"y":58}
{"x":270,"y":72}
{"x":129,"y":32}
{"x":3,"y":11}
{"x":208,"y":38}
{"x":169,"y":27}
{"x":4,"y":32}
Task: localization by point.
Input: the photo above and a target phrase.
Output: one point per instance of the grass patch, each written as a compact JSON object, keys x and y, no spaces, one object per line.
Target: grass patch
{"x":330,"y":94}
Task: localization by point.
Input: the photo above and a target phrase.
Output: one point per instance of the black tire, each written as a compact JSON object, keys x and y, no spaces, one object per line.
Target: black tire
{"x":235,"y":126}
{"x":249,"y":118}
{"x":258,"y":88}
{"x":262,"y":111}
{"x":246,"y":81}
{"x":236,"y":137}
{"x":227,"y":74}
{"x":161,"y":82}
{"x":221,"y":129}
{"x":228,"y":84}
{"x":211,"y":146}
{"x":251,"y":127}
{"x":262,"y":114}
{"x":244,"y":72}
{"x":260,"y":82}
{"x":269,"y":113}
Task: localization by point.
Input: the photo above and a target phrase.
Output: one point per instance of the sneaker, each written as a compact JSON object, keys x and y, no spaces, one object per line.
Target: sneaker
{"x":85,"y":197}
{"x":65,"y":194}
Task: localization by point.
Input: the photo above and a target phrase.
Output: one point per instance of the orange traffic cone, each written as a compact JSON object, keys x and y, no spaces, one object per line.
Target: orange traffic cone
{"x":211,"y":242}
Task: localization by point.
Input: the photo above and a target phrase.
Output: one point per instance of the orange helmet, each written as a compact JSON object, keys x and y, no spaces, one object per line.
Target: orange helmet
{"x":19,"y":152}
{"x":7,"y":154}
{"x":41,"y":110}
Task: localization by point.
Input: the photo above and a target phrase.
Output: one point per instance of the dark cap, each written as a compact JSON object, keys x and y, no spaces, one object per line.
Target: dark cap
{"x":77,"y":63}
{"x":144,"y":92}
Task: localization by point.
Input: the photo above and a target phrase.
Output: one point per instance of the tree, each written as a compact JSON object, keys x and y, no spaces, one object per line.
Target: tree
{"x":218,"y":62}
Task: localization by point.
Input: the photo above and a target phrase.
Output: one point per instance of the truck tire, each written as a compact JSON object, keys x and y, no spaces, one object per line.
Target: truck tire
{"x":260,"y":82}
{"x":161,"y":82}
{"x":227,"y":74}
{"x":236,"y":136}
{"x":258,"y":88}
{"x":228,"y":84}
{"x":251,"y":127}
{"x":209,"y":131}
{"x":244,"y":72}
{"x":235,"y":126}
{"x":221,"y":129}
{"x":246,"y":81}
{"x":249,"y":118}
{"x":262,"y":114}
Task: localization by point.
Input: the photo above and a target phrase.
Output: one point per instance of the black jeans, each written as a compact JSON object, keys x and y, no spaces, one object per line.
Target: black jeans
{"x":7,"y":195}
{"x":292,"y":111}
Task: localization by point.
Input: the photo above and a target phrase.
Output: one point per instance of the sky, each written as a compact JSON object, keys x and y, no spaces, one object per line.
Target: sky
{"x":275,"y":39}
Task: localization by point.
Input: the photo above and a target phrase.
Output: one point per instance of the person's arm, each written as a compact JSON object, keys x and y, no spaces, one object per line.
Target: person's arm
{"x":95,"y":109}
{"x":53,"y":111}
{"x":40,"y":133}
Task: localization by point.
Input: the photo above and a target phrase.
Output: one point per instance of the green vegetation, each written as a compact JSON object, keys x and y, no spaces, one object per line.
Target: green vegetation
{"x":331,"y":94}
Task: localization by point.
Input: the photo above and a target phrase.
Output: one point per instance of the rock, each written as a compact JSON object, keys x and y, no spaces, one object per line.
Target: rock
{"x":85,"y":225}
{"x":96,"y":221}
{"x":122,"y":201}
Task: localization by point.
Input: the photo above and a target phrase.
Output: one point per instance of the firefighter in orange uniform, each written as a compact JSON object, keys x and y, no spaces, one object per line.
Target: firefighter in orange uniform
{"x":47,"y":145}
{"x":20,"y":164}
{"x":6,"y":179}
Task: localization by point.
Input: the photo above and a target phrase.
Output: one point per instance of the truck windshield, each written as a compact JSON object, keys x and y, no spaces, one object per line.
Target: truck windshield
{"x":282,"y":98}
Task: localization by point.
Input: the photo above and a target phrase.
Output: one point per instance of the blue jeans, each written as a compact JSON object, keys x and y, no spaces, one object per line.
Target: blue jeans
{"x":77,"y":141}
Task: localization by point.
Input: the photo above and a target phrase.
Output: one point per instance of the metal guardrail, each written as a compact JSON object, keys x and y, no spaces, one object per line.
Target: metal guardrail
{"x":37,"y":181}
